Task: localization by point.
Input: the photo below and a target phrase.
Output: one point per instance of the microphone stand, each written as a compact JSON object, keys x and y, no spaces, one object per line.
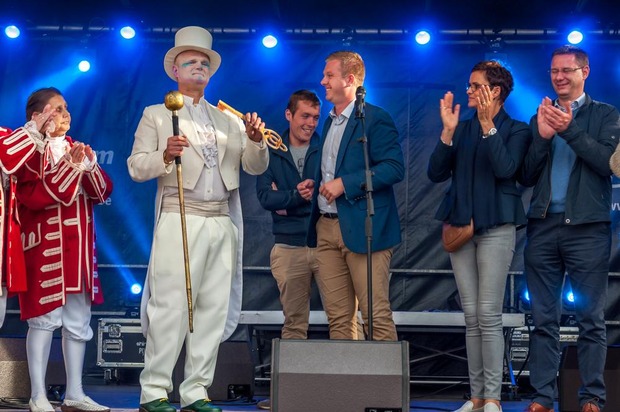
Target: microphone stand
{"x":370,"y":212}
{"x":174,"y":102}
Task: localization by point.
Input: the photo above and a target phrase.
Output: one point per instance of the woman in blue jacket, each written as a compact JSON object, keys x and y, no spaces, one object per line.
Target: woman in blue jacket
{"x":482,"y":156}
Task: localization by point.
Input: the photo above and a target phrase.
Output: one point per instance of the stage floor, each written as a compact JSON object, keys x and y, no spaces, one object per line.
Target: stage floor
{"x":126,"y":398}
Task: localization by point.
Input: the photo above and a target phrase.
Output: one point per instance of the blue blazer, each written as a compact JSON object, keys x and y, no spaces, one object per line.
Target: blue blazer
{"x":387,"y":165}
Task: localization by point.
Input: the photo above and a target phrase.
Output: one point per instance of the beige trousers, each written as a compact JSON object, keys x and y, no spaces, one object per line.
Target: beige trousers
{"x":343,"y":277}
{"x":293,"y":269}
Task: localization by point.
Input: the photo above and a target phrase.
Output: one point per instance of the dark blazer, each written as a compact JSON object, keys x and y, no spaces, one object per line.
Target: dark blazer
{"x":483,"y":172}
{"x":387,"y":165}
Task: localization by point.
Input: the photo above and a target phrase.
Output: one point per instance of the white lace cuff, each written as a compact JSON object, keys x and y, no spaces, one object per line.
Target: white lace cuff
{"x":90,"y":164}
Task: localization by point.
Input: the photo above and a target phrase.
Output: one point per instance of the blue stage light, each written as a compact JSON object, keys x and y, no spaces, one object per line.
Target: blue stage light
{"x":12,"y":32}
{"x":422,"y":37}
{"x":270,"y":41}
{"x":524,"y":302}
{"x":575,"y":37}
{"x":128,"y":32}
{"x":84,"y":66}
{"x":136,"y":289}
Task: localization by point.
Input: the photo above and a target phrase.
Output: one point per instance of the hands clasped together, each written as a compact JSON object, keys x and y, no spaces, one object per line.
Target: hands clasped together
{"x":80,"y":151}
{"x":551,"y":119}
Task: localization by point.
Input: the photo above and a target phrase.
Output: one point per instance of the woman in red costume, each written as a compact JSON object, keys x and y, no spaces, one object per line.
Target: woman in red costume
{"x":56,"y":191}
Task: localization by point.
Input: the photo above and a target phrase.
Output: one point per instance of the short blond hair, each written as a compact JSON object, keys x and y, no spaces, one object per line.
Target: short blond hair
{"x":351,"y":63}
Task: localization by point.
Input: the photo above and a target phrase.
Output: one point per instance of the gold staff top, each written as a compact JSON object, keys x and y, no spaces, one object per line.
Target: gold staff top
{"x":272,"y":138}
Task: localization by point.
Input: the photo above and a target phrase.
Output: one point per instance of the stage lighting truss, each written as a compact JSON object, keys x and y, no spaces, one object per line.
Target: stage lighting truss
{"x":496,"y":39}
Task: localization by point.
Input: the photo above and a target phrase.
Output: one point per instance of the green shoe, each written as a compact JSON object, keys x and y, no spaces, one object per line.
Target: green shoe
{"x":201,"y":405}
{"x":158,"y":405}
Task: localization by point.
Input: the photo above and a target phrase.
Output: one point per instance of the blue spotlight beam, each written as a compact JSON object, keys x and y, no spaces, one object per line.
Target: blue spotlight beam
{"x":84,"y":66}
{"x":270,"y":41}
{"x":422,"y":37}
{"x":575,"y":37}
{"x":12,"y":31}
{"x":128,"y":32}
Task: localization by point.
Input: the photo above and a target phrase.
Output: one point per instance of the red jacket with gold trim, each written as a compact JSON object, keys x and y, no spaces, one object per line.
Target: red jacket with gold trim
{"x":16,"y":147}
{"x":55,"y":203}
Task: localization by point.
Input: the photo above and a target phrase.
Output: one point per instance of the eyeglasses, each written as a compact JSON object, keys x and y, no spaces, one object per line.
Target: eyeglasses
{"x":474,"y":86}
{"x":565,"y":70}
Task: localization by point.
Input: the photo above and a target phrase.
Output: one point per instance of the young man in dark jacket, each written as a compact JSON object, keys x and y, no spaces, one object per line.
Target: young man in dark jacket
{"x":285,"y":189}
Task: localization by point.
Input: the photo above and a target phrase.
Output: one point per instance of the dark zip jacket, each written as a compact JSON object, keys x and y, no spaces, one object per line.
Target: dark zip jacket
{"x":593,"y":135}
{"x":290,"y":229}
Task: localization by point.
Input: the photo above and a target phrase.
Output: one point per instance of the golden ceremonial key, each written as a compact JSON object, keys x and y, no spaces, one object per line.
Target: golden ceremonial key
{"x":272,"y":138}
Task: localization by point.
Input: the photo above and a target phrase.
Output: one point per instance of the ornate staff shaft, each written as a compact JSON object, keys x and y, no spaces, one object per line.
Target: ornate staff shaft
{"x":174,"y":102}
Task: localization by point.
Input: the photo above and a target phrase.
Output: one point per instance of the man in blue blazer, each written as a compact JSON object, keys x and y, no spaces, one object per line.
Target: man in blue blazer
{"x":339,"y":206}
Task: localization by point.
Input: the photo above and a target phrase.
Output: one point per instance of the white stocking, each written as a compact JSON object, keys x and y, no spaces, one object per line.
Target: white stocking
{"x":73,"y":352}
{"x":2,"y":305}
{"x":38,"y":344}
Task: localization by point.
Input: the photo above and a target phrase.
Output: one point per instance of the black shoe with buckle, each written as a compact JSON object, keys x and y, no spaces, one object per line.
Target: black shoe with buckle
{"x":158,"y":405}
{"x":201,"y":405}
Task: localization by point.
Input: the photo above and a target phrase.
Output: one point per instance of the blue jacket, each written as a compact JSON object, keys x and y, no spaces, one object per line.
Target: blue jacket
{"x":292,"y":228}
{"x":483,"y":172}
{"x":593,"y":135}
{"x":387,"y":165}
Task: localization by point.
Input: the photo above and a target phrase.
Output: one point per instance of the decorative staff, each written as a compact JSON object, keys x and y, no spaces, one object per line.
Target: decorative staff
{"x":272,"y":138}
{"x":174,"y":102}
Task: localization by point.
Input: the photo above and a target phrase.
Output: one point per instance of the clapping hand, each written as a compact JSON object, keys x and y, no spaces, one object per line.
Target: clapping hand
{"x":449,"y":117}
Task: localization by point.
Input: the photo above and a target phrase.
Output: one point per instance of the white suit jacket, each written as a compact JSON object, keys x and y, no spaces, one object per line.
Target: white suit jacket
{"x":146,"y":163}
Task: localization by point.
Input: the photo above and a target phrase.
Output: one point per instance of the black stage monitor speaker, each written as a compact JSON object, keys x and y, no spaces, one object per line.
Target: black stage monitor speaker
{"x":338,"y":375}
{"x":570,"y":380}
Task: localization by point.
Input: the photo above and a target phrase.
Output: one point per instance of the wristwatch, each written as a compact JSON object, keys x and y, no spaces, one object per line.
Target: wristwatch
{"x":489,"y":133}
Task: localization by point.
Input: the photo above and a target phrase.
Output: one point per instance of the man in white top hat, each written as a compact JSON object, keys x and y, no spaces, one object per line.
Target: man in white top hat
{"x":212,"y":144}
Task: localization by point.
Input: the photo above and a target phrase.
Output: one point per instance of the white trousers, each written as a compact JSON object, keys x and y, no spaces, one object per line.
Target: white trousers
{"x":212,"y":246}
{"x":73,"y":317}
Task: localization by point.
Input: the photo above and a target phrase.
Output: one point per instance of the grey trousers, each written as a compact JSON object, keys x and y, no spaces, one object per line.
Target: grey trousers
{"x":480,"y":269}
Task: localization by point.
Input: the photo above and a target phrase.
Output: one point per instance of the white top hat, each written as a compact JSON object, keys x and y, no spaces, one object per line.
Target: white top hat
{"x":192,"y":38}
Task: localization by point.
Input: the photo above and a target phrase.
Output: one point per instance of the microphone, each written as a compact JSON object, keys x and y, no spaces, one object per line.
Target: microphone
{"x":360,"y":95}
